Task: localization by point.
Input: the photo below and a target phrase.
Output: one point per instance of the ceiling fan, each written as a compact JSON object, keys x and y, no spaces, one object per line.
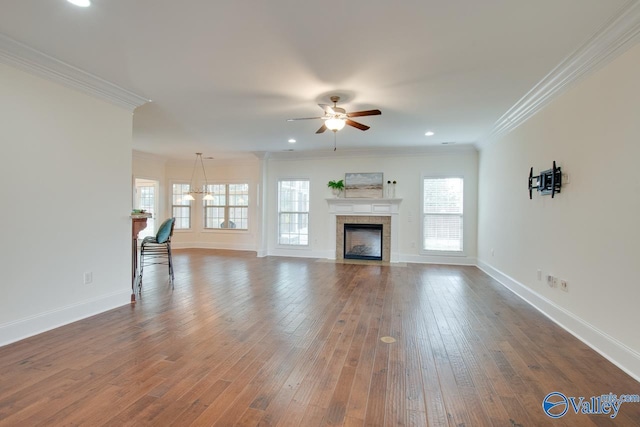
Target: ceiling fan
{"x":335,"y":117}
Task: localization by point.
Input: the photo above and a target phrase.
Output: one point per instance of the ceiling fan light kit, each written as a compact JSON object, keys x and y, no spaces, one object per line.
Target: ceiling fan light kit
{"x":335,"y":118}
{"x":334,"y":124}
{"x":80,"y":3}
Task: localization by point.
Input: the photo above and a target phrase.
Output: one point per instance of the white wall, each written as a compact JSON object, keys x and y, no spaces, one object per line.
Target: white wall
{"x":66,"y":199}
{"x":590,"y":233}
{"x":218,"y":172}
{"x":407,"y":169}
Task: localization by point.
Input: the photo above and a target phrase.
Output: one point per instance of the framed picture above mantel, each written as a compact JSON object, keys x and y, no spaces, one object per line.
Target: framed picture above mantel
{"x":367,"y":185}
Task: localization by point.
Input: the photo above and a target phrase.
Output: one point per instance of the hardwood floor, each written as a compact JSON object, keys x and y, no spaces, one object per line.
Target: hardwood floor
{"x":282,"y":341}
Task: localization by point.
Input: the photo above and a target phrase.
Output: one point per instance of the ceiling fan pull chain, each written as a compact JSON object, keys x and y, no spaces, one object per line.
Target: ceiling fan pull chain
{"x":334,"y":140}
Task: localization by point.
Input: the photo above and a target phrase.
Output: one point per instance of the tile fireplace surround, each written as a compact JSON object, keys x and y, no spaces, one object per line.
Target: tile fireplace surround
{"x":365,"y":211}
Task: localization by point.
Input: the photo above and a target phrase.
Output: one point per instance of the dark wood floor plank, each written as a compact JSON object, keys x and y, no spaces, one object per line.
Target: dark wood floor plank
{"x":337,"y":410}
{"x":257,"y":394}
{"x":289,"y":341}
{"x":314,"y":416}
{"x":224,"y":402}
{"x":251,"y":417}
{"x":396,"y":400}
{"x":294,"y":414}
{"x":457,"y":412}
{"x":376,"y":401}
{"x":357,"y":405}
{"x":324,"y":390}
{"x":421,"y":347}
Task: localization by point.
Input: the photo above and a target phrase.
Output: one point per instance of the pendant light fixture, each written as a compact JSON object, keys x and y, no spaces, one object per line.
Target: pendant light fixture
{"x":207,"y":195}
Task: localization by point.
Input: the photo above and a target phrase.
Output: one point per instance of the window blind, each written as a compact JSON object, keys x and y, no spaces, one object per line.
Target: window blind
{"x":443,"y":214}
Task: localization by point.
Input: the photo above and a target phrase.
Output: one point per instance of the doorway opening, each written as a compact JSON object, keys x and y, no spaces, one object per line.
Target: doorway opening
{"x":146,"y":197}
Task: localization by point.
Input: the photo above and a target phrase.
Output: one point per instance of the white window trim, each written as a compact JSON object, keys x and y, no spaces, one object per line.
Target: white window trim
{"x":463,"y":252}
{"x":171,"y":205}
{"x":279,"y":245}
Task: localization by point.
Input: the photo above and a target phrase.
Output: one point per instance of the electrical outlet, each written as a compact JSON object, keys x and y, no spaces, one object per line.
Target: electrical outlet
{"x":88,"y":278}
{"x":556,"y":282}
{"x":550,"y":281}
{"x":564,"y":285}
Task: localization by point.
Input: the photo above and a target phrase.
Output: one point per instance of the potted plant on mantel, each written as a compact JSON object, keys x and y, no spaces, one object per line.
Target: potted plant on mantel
{"x":336,"y":187}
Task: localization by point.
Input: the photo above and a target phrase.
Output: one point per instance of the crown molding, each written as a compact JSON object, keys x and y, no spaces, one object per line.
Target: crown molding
{"x":612,"y":39}
{"x":373,"y":152}
{"x":19,"y":55}
{"x":149,"y":156}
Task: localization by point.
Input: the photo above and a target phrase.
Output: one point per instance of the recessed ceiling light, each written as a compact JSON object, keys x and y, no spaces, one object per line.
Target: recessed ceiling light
{"x":81,"y":3}
{"x":292,"y":141}
{"x":429,"y":133}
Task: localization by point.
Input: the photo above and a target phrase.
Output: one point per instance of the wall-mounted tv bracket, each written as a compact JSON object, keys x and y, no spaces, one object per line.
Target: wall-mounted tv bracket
{"x":548,"y":182}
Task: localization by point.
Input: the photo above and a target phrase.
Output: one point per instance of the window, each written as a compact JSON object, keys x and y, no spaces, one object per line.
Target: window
{"x":181,"y":208}
{"x":442,"y":214}
{"x":229,"y":207}
{"x":293,"y":212}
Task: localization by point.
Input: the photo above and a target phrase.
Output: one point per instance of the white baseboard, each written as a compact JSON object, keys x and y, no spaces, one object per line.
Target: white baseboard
{"x":42,"y":322}
{"x":429,"y":259}
{"x":284,"y":252}
{"x":322,"y":254}
{"x":301,"y":253}
{"x":613,"y":350}
{"x":204,"y":245}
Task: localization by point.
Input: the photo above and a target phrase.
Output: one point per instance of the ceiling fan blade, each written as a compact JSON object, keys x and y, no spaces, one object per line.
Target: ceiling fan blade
{"x":356,"y":125}
{"x":303,"y":118}
{"x":328,"y":109}
{"x":364,"y":113}
{"x":322,"y":129}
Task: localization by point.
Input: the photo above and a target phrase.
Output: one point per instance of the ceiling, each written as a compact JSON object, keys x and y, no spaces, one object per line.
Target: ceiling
{"x":224,"y":77}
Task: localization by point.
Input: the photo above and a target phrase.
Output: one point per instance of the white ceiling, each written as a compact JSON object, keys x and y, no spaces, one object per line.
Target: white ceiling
{"x":225,"y":75}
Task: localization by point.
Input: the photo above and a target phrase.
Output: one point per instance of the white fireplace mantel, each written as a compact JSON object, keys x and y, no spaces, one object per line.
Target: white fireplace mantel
{"x":365,"y":207}
{"x":344,"y":206}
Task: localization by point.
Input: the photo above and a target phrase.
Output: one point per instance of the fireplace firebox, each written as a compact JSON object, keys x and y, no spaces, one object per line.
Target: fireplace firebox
{"x":363,"y":241}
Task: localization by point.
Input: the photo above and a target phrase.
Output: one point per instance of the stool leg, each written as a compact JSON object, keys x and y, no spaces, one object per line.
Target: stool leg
{"x":141,"y":268}
{"x":170,"y":264}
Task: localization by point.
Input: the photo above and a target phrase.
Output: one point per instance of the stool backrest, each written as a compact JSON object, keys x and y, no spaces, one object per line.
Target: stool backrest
{"x":165,"y":231}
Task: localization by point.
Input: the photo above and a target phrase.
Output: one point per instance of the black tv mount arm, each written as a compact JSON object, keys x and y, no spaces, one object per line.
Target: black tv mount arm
{"x":547,"y":182}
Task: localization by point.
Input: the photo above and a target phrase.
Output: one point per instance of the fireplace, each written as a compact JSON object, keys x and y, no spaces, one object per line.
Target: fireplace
{"x":363,"y":241}
{"x":383,"y":223}
{"x":364,"y":211}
